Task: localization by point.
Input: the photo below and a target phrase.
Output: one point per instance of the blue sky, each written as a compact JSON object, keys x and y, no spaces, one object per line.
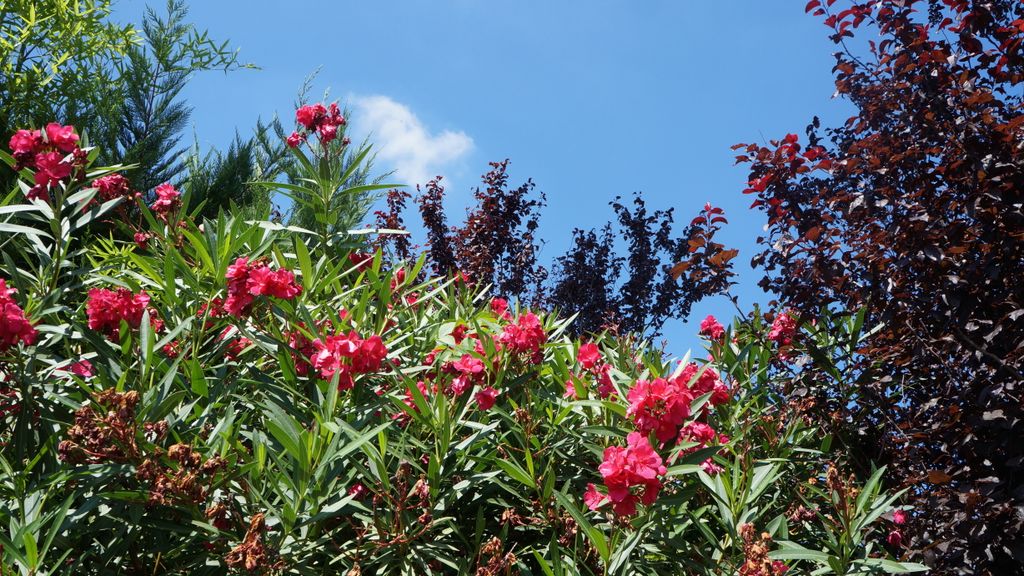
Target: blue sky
{"x":591,"y":100}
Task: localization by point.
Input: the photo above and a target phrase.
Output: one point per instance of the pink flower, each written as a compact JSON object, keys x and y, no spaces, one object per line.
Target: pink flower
{"x":327,"y":132}
{"x":899,"y":517}
{"x":83,"y":369}
{"x":485,"y":398}
{"x":469,"y":364}
{"x":294,"y":140}
{"x":570,"y":390}
{"x":113,"y":186}
{"x":712,"y":329}
{"x":278,"y":283}
{"x":370,"y":355}
{"x":707,"y":382}
{"x":710,"y":468}
{"x":142,"y":239}
{"x":459,"y":385}
{"x":698,"y":432}
{"x":895,"y":539}
{"x":526,"y":335}
{"x":168,"y":198}
{"x":14,"y":325}
{"x":631,"y":474}
{"x":238,"y":275}
{"x":783,"y":329}
{"x":63,"y":137}
{"x":588,"y":355}
{"x":660,"y":406}
{"x":592,"y":498}
{"x":346,"y":354}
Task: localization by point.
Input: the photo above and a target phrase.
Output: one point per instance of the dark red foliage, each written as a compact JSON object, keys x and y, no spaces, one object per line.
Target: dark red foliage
{"x":391,"y":219}
{"x":635,"y":291}
{"x":913,"y":209}
{"x":496,"y":244}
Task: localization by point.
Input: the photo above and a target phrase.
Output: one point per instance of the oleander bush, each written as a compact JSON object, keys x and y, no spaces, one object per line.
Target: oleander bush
{"x":186,"y":396}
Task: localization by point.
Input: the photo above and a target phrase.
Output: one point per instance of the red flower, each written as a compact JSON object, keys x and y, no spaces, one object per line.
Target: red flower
{"x":311,"y":115}
{"x":236,"y":346}
{"x":113,"y":186}
{"x":895,"y":539}
{"x":25,"y":143}
{"x":82,"y":368}
{"x":631,"y":474}
{"x":605,"y":386}
{"x":370,"y":355}
{"x":63,"y":137}
{"x":294,"y":140}
{"x":499,"y":306}
{"x":588,"y":355}
{"x":783,"y":329}
{"x":107,"y":308}
{"x":14,"y":326}
{"x":660,"y":406}
{"x":485,"y":398}
{"x":277,"y":283}
{"x":899,"y":517}
{"x":51,"y":168}
{"x":361,"y":260}
{"x":711,"y":328}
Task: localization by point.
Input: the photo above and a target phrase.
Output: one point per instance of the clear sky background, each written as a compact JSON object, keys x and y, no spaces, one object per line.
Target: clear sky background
{"x":590,"y":99}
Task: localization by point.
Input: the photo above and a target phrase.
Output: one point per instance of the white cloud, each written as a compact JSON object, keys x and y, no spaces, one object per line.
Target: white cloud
{"x":403,"y":143}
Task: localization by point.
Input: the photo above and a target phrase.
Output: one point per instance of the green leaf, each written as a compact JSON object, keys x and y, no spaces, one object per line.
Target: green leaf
{"x":516,"y":472}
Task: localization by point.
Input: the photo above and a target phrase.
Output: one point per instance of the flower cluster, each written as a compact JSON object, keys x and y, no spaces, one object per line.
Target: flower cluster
{"x":53,"y":154}
{"x":524,"y":336}
{"x":318,"y":119}
{"x":247,"y":280}
{"x":590,"y":359}
{"x":114,"y":186}
{"x":631,"y":473}
{"x":168,"y":199}
{"x":14,"y":326}
{"x":107,"y":308}
{"x":660,"y":406}
{"x":712,"y":329}
{"x":895,"y":536}
{"x":783,"y":329}
{"x":347,"y":354}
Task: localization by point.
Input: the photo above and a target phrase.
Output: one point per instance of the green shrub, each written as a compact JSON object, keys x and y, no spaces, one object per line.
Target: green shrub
{"x":255,"y":398}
